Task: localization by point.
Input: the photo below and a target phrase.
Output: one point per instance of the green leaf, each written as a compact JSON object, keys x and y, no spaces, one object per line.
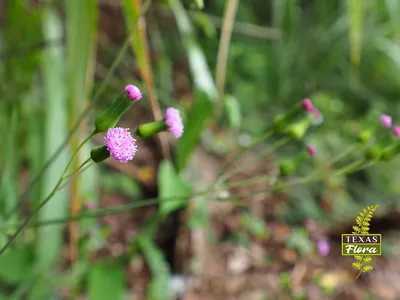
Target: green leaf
{"x":254,"y":224}
{"x":16,"y":264}
{"x":205,"y":94}
{"x":106,"y":280}
{"x":232,"y":108}
{"x":158,"y":286}
{"x":197,"y":117}
{"x":171,"y":185}
{"x":300,"y":241}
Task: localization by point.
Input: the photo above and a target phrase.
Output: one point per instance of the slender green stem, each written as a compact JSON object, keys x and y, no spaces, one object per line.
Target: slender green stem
{"x":349,"y":167}
{"x":78,"y":169}
{"x":242,"y":152}
{"x":77,"y":173}
{"x":269,"y":150}
{"x":46,"y":200}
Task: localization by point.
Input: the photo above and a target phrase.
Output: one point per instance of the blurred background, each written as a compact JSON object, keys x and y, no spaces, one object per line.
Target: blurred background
{"x":230,"y":67}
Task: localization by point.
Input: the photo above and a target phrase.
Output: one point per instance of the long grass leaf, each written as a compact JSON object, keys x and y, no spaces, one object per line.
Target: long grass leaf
{"x":49,"y":239}
{"x":205,"y":93}
{"x":81,"y":33}
{"x":355,"y":11}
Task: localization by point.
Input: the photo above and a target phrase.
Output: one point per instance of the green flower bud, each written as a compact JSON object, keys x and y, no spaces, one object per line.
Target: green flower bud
{"x":110,"y":117}
{"x":390,"y":151}
{"x":365,"y":136}
{"x":299,"y":129}
{"x":280,"y":123}
{"x":99,"y":154}
{"x":193,"y":4}
{"x":373,"y":153}
{"x":149,"y":129}
{"x":287,"y":167}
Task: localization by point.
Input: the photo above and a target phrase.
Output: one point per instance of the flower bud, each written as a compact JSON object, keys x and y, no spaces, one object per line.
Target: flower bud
{"x":110,"y":117}
{"x":287,"y":167}
{"x":391,"y":151}
{"x":280,"y":123}
{"x":311,"y":150}
{"x":373,"y":153}
{"x":299,"y":129}
{"x":99,"y":154}
{"x":149,"y":129}
{"x":365,"y":136}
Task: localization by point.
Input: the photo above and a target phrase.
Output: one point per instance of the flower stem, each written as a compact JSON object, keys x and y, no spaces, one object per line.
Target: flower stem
{"x":243,"y":151}
{"x":78,"y":169}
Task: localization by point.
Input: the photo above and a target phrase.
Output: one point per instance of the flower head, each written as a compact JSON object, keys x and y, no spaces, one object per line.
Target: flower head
{"x":396,"y":131}
{"x":323,"y":247}
{"x":174,"y":122}
{"x":315,"y":112}
{"x":133,"y":92}
{"x":386,"y":120}
{"x":311,"y":150}
{"x":120,"y":143}
{"x":307,"y":104}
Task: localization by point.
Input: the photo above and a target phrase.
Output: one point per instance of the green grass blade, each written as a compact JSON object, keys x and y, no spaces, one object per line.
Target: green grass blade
{"x":355,"y":11}
{"x":205,"y":90}
{"x":49,"y":239}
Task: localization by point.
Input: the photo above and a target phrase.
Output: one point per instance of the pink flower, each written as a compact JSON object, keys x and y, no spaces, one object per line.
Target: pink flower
{"x":386,"y":120}
{"x":174,"y":122}
{"x":315,"y":112}
{"x":90,"y":205}
{"x":311,"y":150}
{"x":307,"y":104}
{"x":323,"y":247}
{"x":120,"y":143}
{"x":133,"y":92}
{"x":396,"y":131}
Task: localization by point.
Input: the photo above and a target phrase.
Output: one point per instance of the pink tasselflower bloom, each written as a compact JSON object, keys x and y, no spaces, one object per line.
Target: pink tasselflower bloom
{"x":133,"y":92}
{"x":307,"y":104}
{"x":396,"y":131}
{"x":323,"y":247}
{"x":386,"y":120}
{"x":120,"y":143}
{"x":311,"y":150}
{"x":174,"y":122}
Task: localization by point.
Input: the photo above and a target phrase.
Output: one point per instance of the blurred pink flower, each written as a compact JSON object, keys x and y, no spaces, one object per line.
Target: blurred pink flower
{"x":386,"y":120}
{"x":323,"y":247}
{"x":311,"y":150}
{"x":174,"y":122}
{"x":396,"y":131}
{"x":307,"y":104}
